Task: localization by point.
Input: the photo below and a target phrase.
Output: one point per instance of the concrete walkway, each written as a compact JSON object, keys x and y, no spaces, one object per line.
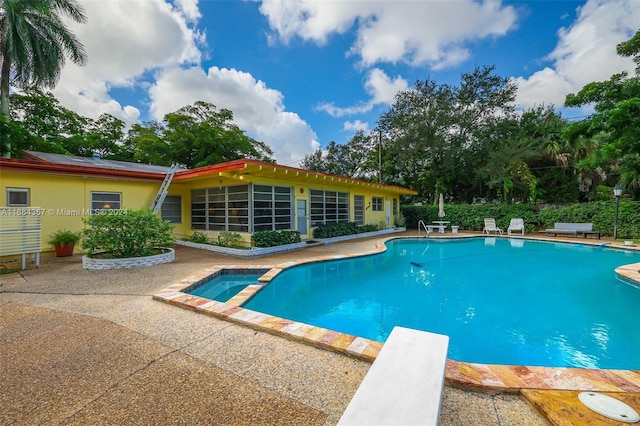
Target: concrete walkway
{"x":92,"y":347}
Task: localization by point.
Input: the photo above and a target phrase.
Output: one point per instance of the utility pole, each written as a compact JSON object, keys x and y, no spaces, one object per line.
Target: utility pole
{"x":379,"y":156}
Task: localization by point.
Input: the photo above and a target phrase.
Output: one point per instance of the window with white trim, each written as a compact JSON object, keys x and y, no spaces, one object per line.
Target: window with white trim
{"x":376,"y":204}
{"x":328,"y":207}
{"x":101,"y":201}
{"x":171,"y":209}
{"x":358,"y":209}
{"x":220,"y":209}
{"x":272,"y":207}
{"x":17,"y":197}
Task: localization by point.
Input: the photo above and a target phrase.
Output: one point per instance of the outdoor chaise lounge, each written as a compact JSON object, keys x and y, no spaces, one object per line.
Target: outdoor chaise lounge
{"x":490,"y":226}
{"x":572,"y":229}
{"x":516,"y":225}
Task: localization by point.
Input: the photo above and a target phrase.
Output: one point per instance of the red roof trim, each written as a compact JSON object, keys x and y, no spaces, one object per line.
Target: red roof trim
{"x":67,"y":169}
{"x":37,"y":165}
{"x":241,"y":164}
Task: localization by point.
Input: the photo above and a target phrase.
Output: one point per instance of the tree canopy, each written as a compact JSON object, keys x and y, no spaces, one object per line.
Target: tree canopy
{"x":613,"y":130}
{"x":195,"y":135}
{"x":468,"y":142}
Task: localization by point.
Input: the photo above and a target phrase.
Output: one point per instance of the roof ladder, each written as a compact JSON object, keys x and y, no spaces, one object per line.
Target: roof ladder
{"x":164,"y":188}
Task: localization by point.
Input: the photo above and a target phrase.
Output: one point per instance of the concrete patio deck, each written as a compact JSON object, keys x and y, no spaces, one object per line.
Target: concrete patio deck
{"x":92,"y":347}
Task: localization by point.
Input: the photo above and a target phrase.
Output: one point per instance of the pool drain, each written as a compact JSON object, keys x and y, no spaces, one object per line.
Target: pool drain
{"x":609,"y":407}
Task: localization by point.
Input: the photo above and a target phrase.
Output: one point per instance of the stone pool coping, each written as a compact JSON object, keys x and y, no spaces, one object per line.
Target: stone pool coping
{"x":484,"y":377}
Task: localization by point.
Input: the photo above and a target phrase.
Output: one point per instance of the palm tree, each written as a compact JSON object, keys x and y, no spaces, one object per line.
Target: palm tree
{"x":34,"y":43}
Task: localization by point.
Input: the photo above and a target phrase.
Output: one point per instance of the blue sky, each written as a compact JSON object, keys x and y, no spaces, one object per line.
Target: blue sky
{"x":300,"y":74}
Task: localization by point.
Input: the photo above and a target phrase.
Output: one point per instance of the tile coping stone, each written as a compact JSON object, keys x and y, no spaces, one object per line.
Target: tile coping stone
{"x":483,"y":377}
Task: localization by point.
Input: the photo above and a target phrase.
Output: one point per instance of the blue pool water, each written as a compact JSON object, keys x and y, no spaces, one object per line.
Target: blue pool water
{"x":501,"y":301}
{"x":224,"y":287}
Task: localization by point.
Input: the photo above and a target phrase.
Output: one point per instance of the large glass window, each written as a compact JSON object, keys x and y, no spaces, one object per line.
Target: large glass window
{"x":17,"y":197}
{"x":171,"y":209}
{"x":358,"y":209}
{"x":199,"y":209}
{"x":272,"y":208}
{"x":220,"y":209}
{"x":329,"y":207}
{"x":227,"y":209}
{"x":101,"y":201}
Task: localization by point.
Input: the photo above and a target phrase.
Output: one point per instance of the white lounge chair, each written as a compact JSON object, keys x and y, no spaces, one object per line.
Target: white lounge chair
{"x":516,"y":225}
{"x":490,"y":226}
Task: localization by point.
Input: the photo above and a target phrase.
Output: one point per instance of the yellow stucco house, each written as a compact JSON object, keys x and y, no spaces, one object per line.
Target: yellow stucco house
{"x":243,"y":196}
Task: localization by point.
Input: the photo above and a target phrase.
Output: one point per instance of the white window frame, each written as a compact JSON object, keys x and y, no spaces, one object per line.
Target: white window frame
{"x":377,"y":204}
{"x":171,"y":209}
{"x":105,"y":206}
{"x":16,"y":191}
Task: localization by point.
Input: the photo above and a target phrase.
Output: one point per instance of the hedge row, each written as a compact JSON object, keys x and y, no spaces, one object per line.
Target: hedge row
{"x":329,"y":230}
{"x":536,"y":217}
{"x":275,"y":238}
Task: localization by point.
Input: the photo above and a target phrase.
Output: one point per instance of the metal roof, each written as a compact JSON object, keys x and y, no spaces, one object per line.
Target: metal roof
{"x":97,"y":163}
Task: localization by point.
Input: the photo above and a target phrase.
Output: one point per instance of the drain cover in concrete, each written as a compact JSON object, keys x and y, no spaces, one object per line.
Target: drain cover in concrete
{"x":609,"y":407}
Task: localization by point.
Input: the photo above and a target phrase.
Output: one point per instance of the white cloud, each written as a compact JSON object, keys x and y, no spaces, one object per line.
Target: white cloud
{"x":312,"y":20}
{"x":189,"y":8}
{"x":124,"y":39}
{"x":586,"y":52}
{"x":412,"y":32}
{"x":151,"y":46}
{"x":256,"y":109}
{"x":353,"y":126}
{"x":381,"y":89}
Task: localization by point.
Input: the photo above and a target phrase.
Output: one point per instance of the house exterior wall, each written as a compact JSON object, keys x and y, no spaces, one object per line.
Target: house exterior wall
{"x":63,"y":201}
{"x":300,"y":192}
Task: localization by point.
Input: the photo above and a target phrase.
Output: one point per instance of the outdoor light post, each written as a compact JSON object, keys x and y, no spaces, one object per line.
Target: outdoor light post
{"x":617,"y":191}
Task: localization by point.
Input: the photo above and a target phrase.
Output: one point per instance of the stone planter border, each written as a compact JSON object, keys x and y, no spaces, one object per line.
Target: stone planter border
{"x":262,"y":251}
{"x":131,"y":262}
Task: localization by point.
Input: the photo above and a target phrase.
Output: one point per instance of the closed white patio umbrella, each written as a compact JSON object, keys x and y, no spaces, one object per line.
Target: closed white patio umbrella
{"x":441,"y":206}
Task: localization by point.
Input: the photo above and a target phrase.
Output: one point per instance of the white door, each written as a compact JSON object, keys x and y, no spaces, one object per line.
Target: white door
{"x":301,"y":213}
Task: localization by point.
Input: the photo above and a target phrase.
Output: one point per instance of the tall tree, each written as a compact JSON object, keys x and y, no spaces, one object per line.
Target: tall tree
{"x":196,"y":135}
{"x":434,"y":134}
{"x":34,"y":43}
{"x":354,"y":159}
{"x":612,"y":132}
{"x":50,"y":126}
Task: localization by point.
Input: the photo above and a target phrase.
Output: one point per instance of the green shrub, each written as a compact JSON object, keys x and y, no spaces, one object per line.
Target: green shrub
{"x":126,"y":233}
{"x":275,"y":238}
{"x":64,"y":237}
{"x":329,"y":230}
{"x":471,"y":217}
{"x":199,"y":237}
{"x":369,"y":227}
{"x":229,"y":239}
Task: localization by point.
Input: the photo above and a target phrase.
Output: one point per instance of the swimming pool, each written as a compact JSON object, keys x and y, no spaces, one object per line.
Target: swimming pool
{"x":223,"y":287}
{"x":501,"y":301}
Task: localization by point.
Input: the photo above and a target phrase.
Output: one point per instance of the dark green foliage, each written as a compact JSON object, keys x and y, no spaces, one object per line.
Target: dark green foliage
{"x":199,"y":238}
{"x":229,"y":239}
{"x":471,"y":217}
{"x":194,"y":136}
{"x":329,"y":230}
{"x":126,"y":233}
{"x":601,"y":214}
{"x":275,"y":238}
{"x":63,"y":237}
